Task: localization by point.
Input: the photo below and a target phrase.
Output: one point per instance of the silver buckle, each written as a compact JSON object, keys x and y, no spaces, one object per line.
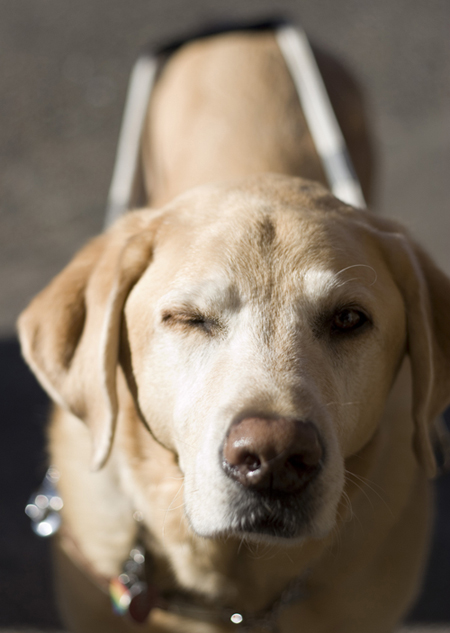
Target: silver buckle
{"x":44,"y":505}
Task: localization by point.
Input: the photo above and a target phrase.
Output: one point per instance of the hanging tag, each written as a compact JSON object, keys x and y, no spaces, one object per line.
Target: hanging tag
{"x":130,"y":595}
{"x":134,"y":600}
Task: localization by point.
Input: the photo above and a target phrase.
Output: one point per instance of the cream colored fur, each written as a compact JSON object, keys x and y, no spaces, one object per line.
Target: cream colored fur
{"x":267,"y":259}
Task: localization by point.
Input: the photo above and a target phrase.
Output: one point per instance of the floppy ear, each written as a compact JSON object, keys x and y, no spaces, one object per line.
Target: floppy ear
{"x":426,"y":294}
{"x":70,"y":331}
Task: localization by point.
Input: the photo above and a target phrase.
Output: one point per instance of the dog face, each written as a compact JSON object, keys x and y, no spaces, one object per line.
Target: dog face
{"x":272,"y":313}
{"x":262,"y":327}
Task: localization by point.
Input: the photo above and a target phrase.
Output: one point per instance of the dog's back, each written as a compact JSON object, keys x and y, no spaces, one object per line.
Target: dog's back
{"x":226,"y":107}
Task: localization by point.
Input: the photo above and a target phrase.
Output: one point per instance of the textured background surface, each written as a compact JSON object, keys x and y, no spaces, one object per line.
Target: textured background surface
{"x":63,"y":74}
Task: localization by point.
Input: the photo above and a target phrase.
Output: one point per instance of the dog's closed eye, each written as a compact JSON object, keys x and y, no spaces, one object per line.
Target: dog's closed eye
{"x":190,"y":320}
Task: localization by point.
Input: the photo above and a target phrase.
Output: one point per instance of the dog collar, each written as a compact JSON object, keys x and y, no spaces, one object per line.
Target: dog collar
{"x":132,"y":593}
{"x":132,"y":596}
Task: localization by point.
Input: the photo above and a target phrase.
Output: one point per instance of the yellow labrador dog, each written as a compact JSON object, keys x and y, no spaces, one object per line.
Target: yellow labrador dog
{"x":246,"y":374}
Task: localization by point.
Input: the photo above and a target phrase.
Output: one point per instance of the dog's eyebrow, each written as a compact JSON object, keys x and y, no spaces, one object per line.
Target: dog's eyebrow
{"x":320,"y":283}
{"x":206,"y":295}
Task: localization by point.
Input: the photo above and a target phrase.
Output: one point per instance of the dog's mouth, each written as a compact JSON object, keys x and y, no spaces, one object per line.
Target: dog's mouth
{"x":281,"y":516}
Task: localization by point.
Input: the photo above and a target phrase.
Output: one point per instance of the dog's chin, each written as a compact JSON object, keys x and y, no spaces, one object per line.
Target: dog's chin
{"x":263,"y":529}
{"x":267,"y":517}
{"x":281,"y":519}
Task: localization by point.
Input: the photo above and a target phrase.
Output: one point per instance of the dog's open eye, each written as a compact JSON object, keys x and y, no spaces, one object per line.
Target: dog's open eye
{"x":348,"y":320}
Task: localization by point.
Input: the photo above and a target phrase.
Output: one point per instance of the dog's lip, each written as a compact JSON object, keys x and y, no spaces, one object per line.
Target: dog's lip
{"x":267,"y":526}
{"x":285,"y":516}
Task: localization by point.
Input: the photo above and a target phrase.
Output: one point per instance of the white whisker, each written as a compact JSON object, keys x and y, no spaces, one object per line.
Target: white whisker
{"x":360,"y":266}
{"x":368,"y":487}
{"x":342,"y":404}
{"x":170,"y":508}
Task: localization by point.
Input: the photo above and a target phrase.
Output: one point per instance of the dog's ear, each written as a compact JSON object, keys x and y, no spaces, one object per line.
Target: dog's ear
{"x":70,"y":331}
{"x":426,"y":295}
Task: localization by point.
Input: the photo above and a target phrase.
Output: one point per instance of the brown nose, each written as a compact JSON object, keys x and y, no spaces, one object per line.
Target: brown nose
{"x":272,"y":454}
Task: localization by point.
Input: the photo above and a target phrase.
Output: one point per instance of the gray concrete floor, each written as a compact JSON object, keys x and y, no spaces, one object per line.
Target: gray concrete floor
{"x":63,"y":78}
{"x":408,"y":629}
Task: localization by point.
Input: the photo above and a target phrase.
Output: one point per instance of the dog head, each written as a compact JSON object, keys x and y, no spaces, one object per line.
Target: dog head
{"x":260,"y":326}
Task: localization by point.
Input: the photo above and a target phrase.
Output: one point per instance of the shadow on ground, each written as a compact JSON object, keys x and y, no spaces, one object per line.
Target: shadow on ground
{"x":26,"y":597}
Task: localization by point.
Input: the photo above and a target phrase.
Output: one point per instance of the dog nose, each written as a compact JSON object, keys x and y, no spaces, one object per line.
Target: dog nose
{"x":272,"y":454}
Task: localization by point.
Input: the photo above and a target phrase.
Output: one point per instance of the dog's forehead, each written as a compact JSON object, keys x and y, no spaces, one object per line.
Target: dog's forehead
{"x":262,"y":241}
